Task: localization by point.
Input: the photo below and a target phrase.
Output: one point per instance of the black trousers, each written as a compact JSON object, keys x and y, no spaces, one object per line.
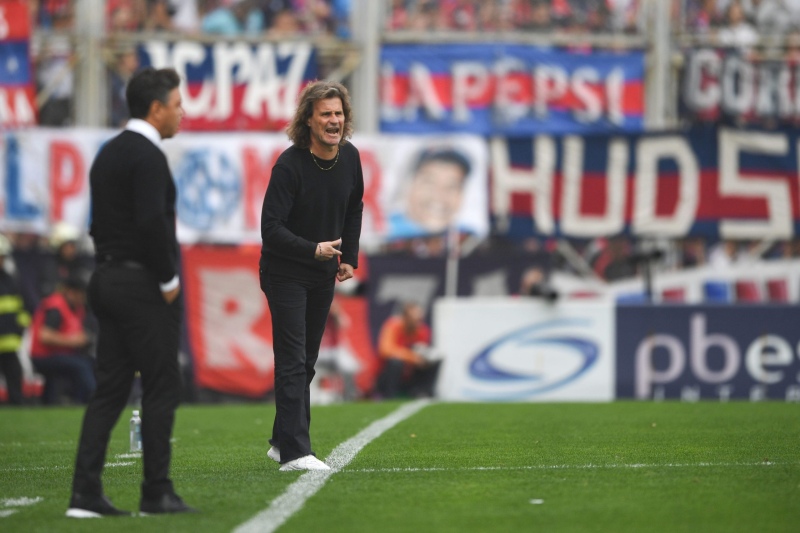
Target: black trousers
{"x":138,"y":331}
{"x":12,"y":370}
{"x":299,"y":312}
{"x":399,"y":377}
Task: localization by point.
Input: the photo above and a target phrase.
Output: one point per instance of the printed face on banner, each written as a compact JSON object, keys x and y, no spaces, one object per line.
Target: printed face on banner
{"x":434,"y":186}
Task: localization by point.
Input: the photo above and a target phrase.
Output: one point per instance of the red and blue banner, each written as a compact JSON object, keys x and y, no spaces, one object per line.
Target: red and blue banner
{"x":716,"y":182}
{"x":230,"y":326}
{"x":236,"y":85}
{"x":506,"y":89}
{"x":732,"y":87}
{"x":17,"y":88}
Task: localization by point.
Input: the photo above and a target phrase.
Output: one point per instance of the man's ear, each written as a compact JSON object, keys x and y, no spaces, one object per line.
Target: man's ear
{"x":155,"y":107}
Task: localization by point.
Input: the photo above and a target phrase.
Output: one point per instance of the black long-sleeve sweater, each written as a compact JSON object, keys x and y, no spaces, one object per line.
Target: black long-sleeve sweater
{"x":133,"y":205}
{"x":305,"y":205}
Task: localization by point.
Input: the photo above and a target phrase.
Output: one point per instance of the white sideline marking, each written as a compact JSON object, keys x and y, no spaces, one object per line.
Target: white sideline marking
{"x":48,"y":468}
{"x":21,"y":502}
{"x":131,"y":455}
{"x":17,"y":502}
{"x":552,"y":467}
{"x":296,"y":494}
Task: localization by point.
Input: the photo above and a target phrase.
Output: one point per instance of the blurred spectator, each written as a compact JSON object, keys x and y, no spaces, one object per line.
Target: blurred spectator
{"x":13,"y":321}
{"x":534,"y":283}
{"x":50,"y":14}
{"x":398,"y":17}
{"x":404,"y":345}
{"x":28,"y":256}
{"x":624,"y":15}
{"x":126,"y":62}
{"x":317,"y":17}
{"x":693,"y":252}
{"x":125,"y":15}
{"x":738,"y":32}
{"x":724,"y":254}
{"x":65,"y":261}
{"x":540,"y":16}
{"x":159,"y":16}
{"x":702,"y":15}
{"x":185,"y":15}
{"x":284,"y":25}
{"x":615,"y":260}
{"x":336,"y":367}
{"x":461,"y":15}
{"x":54,"y":75}
{"x":59,"y":342}
{"x":424,"y":16}
{"x":341,"y":16}
{"x":233,"y":17}
{"x":272,"y":8}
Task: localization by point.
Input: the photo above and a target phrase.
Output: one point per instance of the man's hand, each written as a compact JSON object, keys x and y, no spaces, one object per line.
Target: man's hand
{"x":345,"y":272}
{"x":328,"y":250}
{"x":170,"y":296}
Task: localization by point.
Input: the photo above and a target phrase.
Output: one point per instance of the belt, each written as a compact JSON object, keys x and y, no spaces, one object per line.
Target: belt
{"x":110,"y":261}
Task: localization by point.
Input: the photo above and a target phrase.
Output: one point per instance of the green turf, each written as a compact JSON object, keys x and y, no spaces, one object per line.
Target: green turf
{"x":625,"y":466}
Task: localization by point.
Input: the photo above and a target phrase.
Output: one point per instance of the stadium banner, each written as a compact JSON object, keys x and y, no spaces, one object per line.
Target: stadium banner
{"x":694,"y":352}
{"x":235,"y":85}
{"x":230,"y":329}
{"x":728,"y":86}
{"x":17,"y":87}
{"x":509,"y":89}
{"x":221,"y":180}
{"x":524,"y":350}
{"x":711,"y":181}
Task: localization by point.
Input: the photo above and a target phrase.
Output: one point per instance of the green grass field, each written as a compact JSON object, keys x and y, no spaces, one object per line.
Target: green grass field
{"x":616,"y":467}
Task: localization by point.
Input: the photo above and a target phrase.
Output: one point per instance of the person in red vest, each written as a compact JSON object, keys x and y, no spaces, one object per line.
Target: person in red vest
{"x":59,"y":342}
{"x":410,"y":365}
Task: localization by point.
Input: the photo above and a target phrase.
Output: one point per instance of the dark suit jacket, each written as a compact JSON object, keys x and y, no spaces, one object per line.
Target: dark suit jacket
{"x":133,"y":205}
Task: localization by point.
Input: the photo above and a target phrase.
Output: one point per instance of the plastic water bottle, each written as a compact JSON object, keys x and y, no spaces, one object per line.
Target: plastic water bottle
{"x":136,"y":432}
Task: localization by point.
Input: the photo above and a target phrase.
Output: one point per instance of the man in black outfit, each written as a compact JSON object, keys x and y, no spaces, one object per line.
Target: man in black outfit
{"x":310,"y":226}
{"x":134,"y":293}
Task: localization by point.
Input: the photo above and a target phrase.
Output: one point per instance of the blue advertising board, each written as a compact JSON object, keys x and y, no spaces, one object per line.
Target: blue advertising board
{"x":708,"y":352}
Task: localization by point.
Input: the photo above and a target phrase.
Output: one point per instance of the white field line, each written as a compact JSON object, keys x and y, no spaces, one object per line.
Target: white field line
{"x":58,"y":467}
{"x":21,"y":502}
{"x":558,"y":467}
{"x":298,"y":493}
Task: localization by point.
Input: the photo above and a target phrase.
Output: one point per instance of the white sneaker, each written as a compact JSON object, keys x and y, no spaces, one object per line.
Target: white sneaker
{"x":274,"y":454}
{"x":309,"y":462}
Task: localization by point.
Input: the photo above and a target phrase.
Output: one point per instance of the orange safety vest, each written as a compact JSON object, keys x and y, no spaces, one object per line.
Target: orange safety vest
{"x":71,"y":323}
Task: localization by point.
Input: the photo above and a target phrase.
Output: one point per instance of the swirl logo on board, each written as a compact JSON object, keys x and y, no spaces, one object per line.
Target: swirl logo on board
{"x":532,"y":360}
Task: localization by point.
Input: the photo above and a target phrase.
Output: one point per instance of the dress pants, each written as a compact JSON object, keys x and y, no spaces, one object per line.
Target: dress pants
{"x":299,"y":311}
{"x":138,"y":331}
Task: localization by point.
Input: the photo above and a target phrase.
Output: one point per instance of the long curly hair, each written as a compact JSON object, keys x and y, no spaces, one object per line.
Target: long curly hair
{"x":298,"y":129}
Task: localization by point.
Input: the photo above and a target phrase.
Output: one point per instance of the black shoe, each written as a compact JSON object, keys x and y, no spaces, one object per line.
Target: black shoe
{"x":84,"y":506}
{"x":168,"y":503}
